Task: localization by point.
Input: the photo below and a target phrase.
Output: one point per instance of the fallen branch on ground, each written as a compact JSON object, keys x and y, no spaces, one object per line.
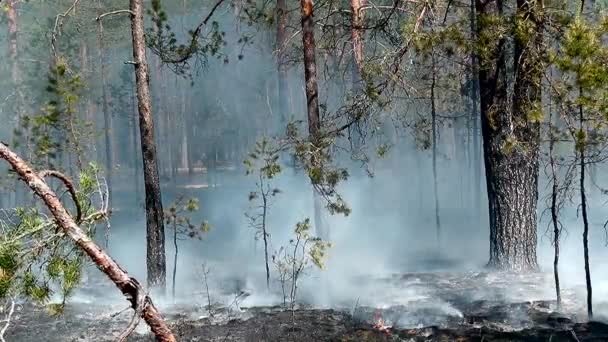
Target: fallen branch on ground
{"x":129,"y":286}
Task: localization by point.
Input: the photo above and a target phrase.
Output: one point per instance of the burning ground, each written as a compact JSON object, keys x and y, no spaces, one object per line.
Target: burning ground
{"x":439,"y":306}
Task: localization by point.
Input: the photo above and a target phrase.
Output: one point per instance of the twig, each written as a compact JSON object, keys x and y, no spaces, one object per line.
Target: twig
{"x":7,"y":320}
{"x":101,"y":16}
{"x":139,"y":303}
{"x":69,"y":185}
{"x":58,"y":25}
{"x":195,"y":34}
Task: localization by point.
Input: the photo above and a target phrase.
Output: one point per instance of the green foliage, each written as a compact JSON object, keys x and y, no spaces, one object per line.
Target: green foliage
{"x":582,"y":92}
{"x":263,"y":164}
{"x":56,"y":128}
{"x":36,"y":260}
{"x":204,"y":41}
{"x":179,"y":218}
{"x":316,"y":159}
{"x":293,"y":261}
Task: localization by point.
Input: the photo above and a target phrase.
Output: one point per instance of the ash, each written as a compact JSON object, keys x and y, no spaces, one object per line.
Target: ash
{"x":439,"y":306}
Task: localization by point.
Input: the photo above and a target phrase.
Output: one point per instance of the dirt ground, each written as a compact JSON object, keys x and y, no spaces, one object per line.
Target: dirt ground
{"x":274,"y":324}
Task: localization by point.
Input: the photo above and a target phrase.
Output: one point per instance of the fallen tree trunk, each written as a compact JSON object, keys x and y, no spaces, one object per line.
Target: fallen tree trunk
{"x":130,"y":287}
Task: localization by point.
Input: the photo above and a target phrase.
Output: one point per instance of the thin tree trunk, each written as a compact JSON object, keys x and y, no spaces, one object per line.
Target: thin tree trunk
{"x":264,"y":232}
{"x":135,"y":154}
{"x":312,"y":99}
{"x":282,"y":62}
{"x":107,"y":116}
{"x":13,"y":54}
{"x":357,"y":39}
{"x":476,"y":150}
{"x":434,"y":133}
{"x":554,"y":211}
{"x":582,"y":147}
{"x":511,"y":171}
{"x":129,"y":286}
{"x":156,"y":262}
{"x":176,"y":250}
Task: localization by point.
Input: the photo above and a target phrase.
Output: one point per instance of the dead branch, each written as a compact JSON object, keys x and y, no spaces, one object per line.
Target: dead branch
{"x":7,"y":320}
{"x":126,"y":284}
{"x":101,"y":16}
{"x":140,"y":303}
{"x":69,"y":185}
{"x":58,"y":24}
{"x":191,"y":50}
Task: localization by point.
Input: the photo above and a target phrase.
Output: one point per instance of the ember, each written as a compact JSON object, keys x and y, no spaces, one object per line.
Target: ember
{"x":379,"y":323}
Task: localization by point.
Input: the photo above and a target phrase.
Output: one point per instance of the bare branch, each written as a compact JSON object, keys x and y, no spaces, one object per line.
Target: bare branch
{"x":101,"y":16}
{"x":69,"y":185}
{"x":58,"y":25}
{"x":130,"y":288}
{"x":7,"y":320}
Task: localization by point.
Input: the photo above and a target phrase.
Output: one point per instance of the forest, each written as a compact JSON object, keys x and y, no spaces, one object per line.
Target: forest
{"x":329,"y":170}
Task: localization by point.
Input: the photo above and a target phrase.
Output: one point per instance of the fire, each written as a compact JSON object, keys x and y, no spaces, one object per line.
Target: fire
{"x":379,"y":323}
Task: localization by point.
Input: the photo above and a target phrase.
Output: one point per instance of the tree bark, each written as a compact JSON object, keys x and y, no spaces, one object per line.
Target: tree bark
{"x":582,"y":146}
{"x":105,"y":105}
{"x":283,"y":91}
{"x":13,"y":48}
{"x":510,"y":141}
{"x":435,"y":140}
{"x":127,"y":285}
{"x":357,"y":38}
{"x":476,"y":148}
{"x":554,"y":210}
{"x":156,"y":259}
{"x":312,"y":99}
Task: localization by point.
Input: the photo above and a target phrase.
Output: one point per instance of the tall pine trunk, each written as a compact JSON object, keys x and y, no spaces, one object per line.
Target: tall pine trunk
{"x":434,"y":137}
{"x":283,"y":92}
{"x":581,"y":145}
{"x":554,"y":209}
{"x":156,"y":259}
{"x":107,"y":116}
{"x":13,"y":54}
{"x":312,"y":100}
{"x":474,"y":93}
{"x":510,"y":140}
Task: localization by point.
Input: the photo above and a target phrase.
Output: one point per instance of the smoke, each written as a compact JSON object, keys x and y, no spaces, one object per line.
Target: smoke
{"x":385,"y":254}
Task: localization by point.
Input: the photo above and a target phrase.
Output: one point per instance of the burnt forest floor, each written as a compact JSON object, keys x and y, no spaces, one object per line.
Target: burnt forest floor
{"x":453,"y":308}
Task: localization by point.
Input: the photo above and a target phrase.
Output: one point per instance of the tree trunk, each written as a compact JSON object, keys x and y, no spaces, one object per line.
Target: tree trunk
{"x":107,"y":116}
{"x":357,"y":67}
{"x":434,"y":136}
{"x":510,"y":143}
{"x":13,"y":48}
{"x":582,"y":146}
{"x":128,"y":286}
{"x":13,"y":54}
{"x":357,"y":39}
{"x":554,"y":210}
{"x":136,"y":156}
{"x":312,"y":99}
{"x":282,"y":62}
{"x":476,"y":148}
{"x":156,"y":259}
{"x":175,"y":254}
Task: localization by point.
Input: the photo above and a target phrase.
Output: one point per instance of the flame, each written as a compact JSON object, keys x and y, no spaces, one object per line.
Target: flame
{"x":379,"y":323}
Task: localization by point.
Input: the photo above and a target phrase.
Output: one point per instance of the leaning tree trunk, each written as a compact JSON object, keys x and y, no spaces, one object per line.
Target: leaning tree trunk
{"x":156,"y":260}
{"x":129,"y":286}
{"x":510,"y":141}
{"x":312,"y":100}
